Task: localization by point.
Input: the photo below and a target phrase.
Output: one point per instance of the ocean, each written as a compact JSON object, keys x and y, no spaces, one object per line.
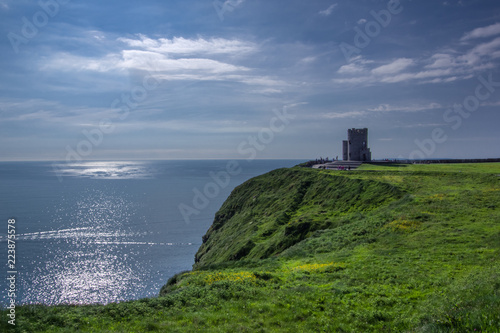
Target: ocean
{"x":101,"y":232}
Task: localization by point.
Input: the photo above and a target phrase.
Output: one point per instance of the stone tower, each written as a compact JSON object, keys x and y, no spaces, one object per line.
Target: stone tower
{"x":355,"y":148}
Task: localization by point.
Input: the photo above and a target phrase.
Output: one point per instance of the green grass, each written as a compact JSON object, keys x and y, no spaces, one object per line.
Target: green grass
{"x":410,"y":248}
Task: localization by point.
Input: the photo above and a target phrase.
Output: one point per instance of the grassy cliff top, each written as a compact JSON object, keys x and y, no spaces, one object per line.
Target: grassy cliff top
{"x":270,"y":213}
{"x":383,"y":248}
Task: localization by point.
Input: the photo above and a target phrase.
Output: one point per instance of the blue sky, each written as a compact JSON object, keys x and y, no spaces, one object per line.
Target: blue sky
{"x":129,"y":79}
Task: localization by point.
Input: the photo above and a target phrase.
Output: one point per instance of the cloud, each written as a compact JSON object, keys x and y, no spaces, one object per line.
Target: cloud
{"x":380,"y":108}
{"x":54,"y":113}
{"x":417,"y":75}
{"x":140,"y":60}
{"x":357,"y":65}
{"x":342,"y":115}
{"x":193,"y":126}
{"x":34,"y":109}
{"x":460,"y":3}
{"x":143,"y":53}
{"x":351,"y":68}
{"x":483,"y":51}
{"x":328,"y":11}
{"x":362,"y":21}
{"x":452,"y":63}
{"x":445,"y":66}
{"x":202,"y":126}
{"x":180,"y":45}
{"x":483,"y":32}
{"x":69,"y":62}
{"x":144,"y":60}
{"x":443,"y":60}
{"x":396,"y":66}
{"x":175,"y":59}
{"x":308,"y":60}
{"x":406,"y":108}
{"x":422,"y":125}
{"x":385,"y":73}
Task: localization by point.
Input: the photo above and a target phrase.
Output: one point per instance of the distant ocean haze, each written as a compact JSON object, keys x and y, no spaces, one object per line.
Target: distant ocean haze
{"x":101,"y":232}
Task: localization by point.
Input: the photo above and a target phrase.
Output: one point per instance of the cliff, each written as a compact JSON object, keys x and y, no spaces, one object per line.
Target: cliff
{"x":268,"y":214}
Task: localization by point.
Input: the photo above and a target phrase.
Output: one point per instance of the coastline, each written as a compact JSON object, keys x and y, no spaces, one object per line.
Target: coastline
{"x":375,"y":248}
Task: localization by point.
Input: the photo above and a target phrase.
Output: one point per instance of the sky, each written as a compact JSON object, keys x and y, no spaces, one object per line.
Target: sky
{"x":247,"y":79}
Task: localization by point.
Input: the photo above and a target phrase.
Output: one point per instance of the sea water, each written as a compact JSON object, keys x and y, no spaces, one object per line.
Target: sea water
{"x":101,"y":232}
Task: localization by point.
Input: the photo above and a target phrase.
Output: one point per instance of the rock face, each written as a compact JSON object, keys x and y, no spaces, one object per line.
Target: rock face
{"x":270,"y":213}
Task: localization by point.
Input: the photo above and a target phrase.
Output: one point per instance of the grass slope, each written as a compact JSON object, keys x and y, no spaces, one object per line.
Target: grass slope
{"x":395,"y":248}
{"x":268,"y":214}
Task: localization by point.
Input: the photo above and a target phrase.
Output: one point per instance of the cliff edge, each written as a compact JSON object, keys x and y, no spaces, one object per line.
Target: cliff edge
{"x":270,"y":213}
